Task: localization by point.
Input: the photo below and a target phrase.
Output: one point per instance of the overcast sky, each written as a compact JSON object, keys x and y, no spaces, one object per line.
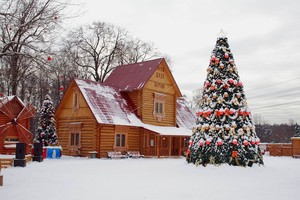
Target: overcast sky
{"x":264,"y":37}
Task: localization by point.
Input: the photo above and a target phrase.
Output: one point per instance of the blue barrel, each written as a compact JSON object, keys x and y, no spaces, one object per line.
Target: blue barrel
{"x":53,"y":152}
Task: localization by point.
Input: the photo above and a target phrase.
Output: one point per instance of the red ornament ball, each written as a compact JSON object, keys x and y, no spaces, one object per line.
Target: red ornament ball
{"x":49,"y":58}
{"x":219,"y":142}
{"x":201,"y":143}
{"x":208,"y":142}
{"x":219,"y":81}
{"x":257,"y":141}
{"x":226,"y":55}
{"x":245,"y":143}
{"x":234,"y":142}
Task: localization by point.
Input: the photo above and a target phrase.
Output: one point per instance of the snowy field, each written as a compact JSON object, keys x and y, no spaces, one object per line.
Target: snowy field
{"x":156,"y":179}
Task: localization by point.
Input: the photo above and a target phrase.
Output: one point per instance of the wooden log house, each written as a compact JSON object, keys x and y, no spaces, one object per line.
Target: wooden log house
{"x":14,"y":123}
{"x":138,"y":108}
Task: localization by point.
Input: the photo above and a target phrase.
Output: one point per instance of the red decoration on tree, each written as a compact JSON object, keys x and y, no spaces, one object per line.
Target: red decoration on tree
{"x":201,"y":143}
{"x":207,"y":84}
{"x":225,"y":86}
{"x":49,"y":58}
{"x":219,"y":142}
{"x":213,"y":58}
{"x":234,"y":154}
{"x":61,"y":88}
{"x":245,"y":143}
{"x":217,"y":60}
{"x":257,"y":141}
{"x":200,"y":113}
{"x":219,"y":81}
{"x":234,"y":141}
{"x":226,"y":55}
{"x":253,"y":142}
{"x":230,"y":81}
{"x":208,"y":141}
{"x":239,"y":84}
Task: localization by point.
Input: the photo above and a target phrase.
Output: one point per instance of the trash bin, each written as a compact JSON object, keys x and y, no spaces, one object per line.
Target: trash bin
{"x":93,"y":154}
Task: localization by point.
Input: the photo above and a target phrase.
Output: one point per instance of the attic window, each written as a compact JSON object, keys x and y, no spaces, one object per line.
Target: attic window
{"x":159,"y":106}
{"x":75,"y":100}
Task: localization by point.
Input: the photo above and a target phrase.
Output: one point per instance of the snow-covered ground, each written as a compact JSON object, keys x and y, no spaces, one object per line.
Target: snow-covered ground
{"x":155,"y":179}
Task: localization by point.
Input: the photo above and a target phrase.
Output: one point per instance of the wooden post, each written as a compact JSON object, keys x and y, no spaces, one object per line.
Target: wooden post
{"x":170,"y":145}
{"x":1,"y":176}
{"x":180,"y":149}
{"x":1,"y":180}
{"x":158,"y":145}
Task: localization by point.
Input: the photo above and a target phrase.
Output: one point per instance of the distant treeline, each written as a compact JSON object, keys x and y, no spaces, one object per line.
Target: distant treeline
{"x":277,"y":133}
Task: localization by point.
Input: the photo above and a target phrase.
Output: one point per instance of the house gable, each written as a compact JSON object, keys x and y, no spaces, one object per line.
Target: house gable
{"x":73,"y":104}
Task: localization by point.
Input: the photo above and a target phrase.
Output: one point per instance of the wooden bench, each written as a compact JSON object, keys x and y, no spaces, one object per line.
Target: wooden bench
{"x":6,"y":162}
{"x":134,"y":154}
{"x":116,"y":155}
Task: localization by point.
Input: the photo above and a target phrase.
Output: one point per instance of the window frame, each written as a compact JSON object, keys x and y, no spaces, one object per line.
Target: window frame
{"x":159,"y":103}
{"x":74,"y":141}
{"x":121,"y":133}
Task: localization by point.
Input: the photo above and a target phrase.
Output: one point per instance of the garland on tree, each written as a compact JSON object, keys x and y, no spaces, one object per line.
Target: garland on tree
{"x":224,"y":132}
{"x":46,"y":130}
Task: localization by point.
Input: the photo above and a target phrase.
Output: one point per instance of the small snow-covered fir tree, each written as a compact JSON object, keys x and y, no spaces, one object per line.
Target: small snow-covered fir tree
{"x":224,"y":132}
{"x":46,"y":130}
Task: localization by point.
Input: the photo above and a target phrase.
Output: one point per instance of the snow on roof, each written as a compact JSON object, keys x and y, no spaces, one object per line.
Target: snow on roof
{"x":109,"y":106}
{"x":6,"y":99}
{"x":133,"y":76}
{"x":185,"y":117}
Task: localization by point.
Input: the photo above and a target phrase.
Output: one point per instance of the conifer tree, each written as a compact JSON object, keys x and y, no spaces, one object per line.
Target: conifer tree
{"x":224,"y":132}
{"x":46,"y":130}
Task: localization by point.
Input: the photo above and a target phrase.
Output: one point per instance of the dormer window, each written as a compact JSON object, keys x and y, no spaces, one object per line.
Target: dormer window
{"x":159,"y":106}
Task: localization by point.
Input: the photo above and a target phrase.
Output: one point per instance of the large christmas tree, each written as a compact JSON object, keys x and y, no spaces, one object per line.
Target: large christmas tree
{"x":46,"y":131}
{"x":224,"y":132}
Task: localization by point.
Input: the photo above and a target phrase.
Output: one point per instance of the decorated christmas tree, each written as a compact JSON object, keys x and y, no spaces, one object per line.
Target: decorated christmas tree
{"x":224,"y":131}
{"x":46,"y":130}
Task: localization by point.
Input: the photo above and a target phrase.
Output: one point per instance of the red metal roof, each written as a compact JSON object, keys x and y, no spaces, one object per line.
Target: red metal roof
{"x":110,"y":106}
{"x":133,"y":76}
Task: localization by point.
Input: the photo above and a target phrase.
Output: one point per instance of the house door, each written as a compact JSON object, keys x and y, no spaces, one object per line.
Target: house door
{"x":175,"y":146}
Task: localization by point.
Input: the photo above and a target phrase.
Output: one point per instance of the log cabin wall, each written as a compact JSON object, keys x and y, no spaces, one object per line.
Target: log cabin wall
{"x":159,"y":83}
{"x":137,"y":99}
{"x":69,"y":117}
{"x":107,"y":140}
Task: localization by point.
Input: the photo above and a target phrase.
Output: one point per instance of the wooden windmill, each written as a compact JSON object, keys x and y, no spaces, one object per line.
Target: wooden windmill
{"x":14,"y":123}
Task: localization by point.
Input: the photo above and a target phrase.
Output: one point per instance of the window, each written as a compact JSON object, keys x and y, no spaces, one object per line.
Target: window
{"x":75,"y":135}
{"x":152,"y":143}
{"x":74,"y":139}
{"x":159,"y":106}
{"x":75,"y":100}
{"x":120,"y":140}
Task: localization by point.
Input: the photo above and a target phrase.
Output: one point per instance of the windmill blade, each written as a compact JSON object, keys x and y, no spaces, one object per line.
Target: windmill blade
{"x":6,"y":108}
{"x":26,"y":112}
{"x":3,"y":128}
{"x":24,"y":134}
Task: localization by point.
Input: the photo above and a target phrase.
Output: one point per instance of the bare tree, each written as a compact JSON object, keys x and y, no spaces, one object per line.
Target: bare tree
{"x":196,"y":99}
{"x":101,"y":47}
{"x":25,"y":32}
{"x":95,"y":48}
